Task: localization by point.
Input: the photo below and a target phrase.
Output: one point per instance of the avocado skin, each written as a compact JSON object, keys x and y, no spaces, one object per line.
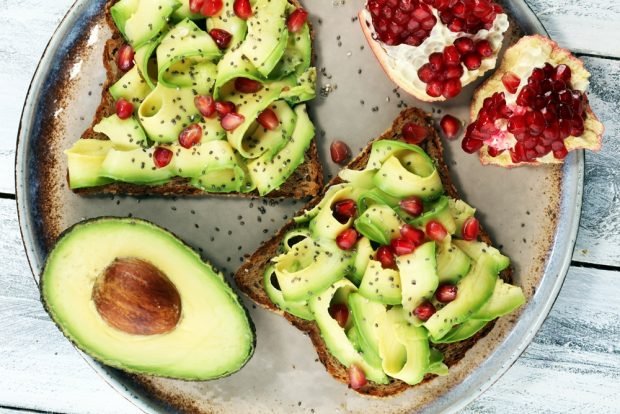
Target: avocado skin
{"x":133,"y":220}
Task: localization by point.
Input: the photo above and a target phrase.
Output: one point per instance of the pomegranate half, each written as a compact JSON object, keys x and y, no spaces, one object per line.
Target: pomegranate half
{"x":433,"y":48}
{"x":534,"y":108}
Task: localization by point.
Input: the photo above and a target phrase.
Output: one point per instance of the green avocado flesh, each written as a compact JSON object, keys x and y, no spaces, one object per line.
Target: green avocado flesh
{"x":176,"y":61}
{"x":383,"y":335}
{"x":213,"y":336}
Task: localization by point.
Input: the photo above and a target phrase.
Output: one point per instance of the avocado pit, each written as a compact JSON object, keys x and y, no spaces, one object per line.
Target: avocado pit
{"x":136,"y":297}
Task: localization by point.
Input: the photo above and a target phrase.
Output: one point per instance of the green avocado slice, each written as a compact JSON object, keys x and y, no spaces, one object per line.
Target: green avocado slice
{"x":299,"y":308}
{"x":367,"y":315}
{"x":259,"y":140}
{"x":84,"y":160}
{"x":379,"y":223}
{"x":141,"y":20}
{"x":135,"y":166}
{"x":476,"y":249}
{"x":227,"y":20}
{"x":381,"y":285}
{"x":297,"y":55}
{"x":125,"y":134}
{"x":132,"y":87}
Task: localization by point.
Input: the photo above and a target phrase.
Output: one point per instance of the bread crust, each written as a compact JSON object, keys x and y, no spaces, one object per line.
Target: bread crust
{"x":249,"y":277}
{"x":306,"y":180}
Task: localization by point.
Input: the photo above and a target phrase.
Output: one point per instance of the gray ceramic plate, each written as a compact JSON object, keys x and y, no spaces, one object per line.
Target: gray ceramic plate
{"x":531,"y":213}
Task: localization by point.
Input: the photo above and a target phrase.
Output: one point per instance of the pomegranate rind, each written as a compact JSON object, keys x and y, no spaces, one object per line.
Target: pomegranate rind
{"x":546,"y":50}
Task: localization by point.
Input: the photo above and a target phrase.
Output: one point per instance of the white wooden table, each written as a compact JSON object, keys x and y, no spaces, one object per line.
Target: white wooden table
{"x":573,"y":364}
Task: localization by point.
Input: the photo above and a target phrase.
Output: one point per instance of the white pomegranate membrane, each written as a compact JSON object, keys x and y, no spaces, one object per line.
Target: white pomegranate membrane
{"x":436,"y":46}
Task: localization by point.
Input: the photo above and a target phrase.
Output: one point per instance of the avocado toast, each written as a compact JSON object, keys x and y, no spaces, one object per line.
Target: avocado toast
{"x":335,"y":310}
{"x":264,"y":147}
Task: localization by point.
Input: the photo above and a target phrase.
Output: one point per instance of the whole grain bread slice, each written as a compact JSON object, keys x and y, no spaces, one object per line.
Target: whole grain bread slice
{"x":249,"y":277}
{"x":306,"y":181}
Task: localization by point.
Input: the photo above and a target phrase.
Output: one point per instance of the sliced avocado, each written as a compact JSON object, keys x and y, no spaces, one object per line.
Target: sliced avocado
{"x":418,"y":276}
{"x":308,"y":215}
{"x":233,"y":65}
{"x":193,"y":72}
{"x":436,"y":365}
{"x":325,"y":225}
{"x":293,"y":237}
{"x":202,"y":158}
{"x":297,"y":55}
{"x":228,"y":20}
{"x":84,"y":160}
{"x":259,"y":140}
{"x":505,"y":299}
{"x":223,"y":172}
{"x":141,"y":20}
{"x":354,"y":337}
{"x":363,"y":254}
{"x":184,"y":12}
{"x":213,"y":336}
{"x":367,"y":315}
{"x":131,"y":87}
{"x":304,"y":90}
{"x":375,"y":196}
{"x":437,"y":210}
{"x":299,"y":309}
{"x":135,"y":166}
{"x":461,"y":211}
{"x":473,"y":291}
{"x":475,"y":250}
{"x":381,"y":285}
{"x":462,"y":331}
{"x":379,"y":223}
{"x":335,"y":336}
{"x":146,"y":64}
{"x":452,"y":263}
{"x":271,"y":174}
{"x":125,"y":134}
{"x":358,"y":178}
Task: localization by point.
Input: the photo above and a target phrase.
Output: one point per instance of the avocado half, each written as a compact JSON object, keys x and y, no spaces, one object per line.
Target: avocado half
{"x":133,"y":296}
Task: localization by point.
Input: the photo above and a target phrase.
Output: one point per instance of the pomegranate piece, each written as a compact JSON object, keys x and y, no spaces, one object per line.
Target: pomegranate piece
{"x":205,"y":105}
{"x":339,"y":152}
{"x":484,"y":48}
{"x":414,"y":133}
{"x":386,"y":257}
{"x":242,"y":8}
{"x":402,"y":246}
{"x":195,"y":6}
{"x":511,"y":82}
{"x":472,"y":60}
{"x":245,"y":85}
{"x":416,"y":236}
{"x":343,"y":210}
{"x":340,"y":313}
{"x":231,"y":121}
{"x":268,"y":119}
{"x":357,"y":377}
{"x":435,"y":230}
{"x":450,"y":126}
{"x":162,"y":157}
{"x":471,"y":229}
{"x":211,"y":7}
{"x":223,"y":108}
{"x":124,"y":57}
{"x":412,"y":205}
{"x":124,"y":108}
{"x":424,"y":311}
{"x":190,"y":136}
{"x":446,"y":293}
{"x":346,"y":239}
{"x":464,"y":45}
{"x":221,"y":37}
{"x":296,"y":20}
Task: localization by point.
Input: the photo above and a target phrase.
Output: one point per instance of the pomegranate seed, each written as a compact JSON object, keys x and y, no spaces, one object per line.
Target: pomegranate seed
{"x":471,"y":145}
{"x":511,"y":82}
{"x":345,"y":209}
{"x":385,"y":257}
{"x":339,"y":152}
{"x":124,"y":58}
{"x":436,"y":61}
{"x":224,"y":108}
{"x":450,"y":126}
{"x":124,"y":108}
{"x":412,"y":205}
{"x":296,"y":20}
{"x":205,"y":105}
{"x":190,"y":136}
{"x":195,"y":5}
{"x":401,"y":246}
{"x":221,"y":37}
{"x":340,"y":313}
{"x":416,"y":236}
{"x":424,"y":311}
{"x":563,"y":73}
{"x":435,"y":230}
{"x":425,"y":73}
{"x":472,"y":60}
{"x":484,"y":49}
{"x":242,"y":8}
{"x":471,"y":229}
{"x":561,"y":153}
{"x":464,"y":45}
{"x":211,"y":7}
{"x":454,"y":72}
{"x":231,"y":121}
{"x":357,"y":377}
{"x":245,"y":85}
{"x":268,"y":119}
{"x":526,"y":96}
{"x":162,"y":157}
{"x":446,"y":293}
{"x":434,"y":89}
{"x":494,"y":152}
{"x":451,"y":88}
{"x":346,"y":239}
{"x":414,"y":133}
{"x":451,"y":56}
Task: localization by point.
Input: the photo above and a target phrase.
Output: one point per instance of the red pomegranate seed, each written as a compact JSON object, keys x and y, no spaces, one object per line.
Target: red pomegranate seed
{"x":436,"y":61}
{"x":424,"y":311}
{"x":211,"y":7}
{"x":339,"y":152}
{"x":452,"y":56}
{"x":242,"y":8}
{"x":484,"y":48}
{"x":402,"y":246}
{"x":494,"y":152}
{"x":434,"y":89}
{"x":561,"y":153}
{"x":231,"y":121}
{"x":224,"y":108}
{"x":563,"y":73}
{"x":343,"y":210}
{"x":454,"y":72}
{"x":124,"y":108}
{"x":340,"y":313}
{"x":124,"y":58}
{"x":221,"y":37}
{"x":511,"y":82}
{"x":412,"y":205}
{"x":346,"y":239}
{"x":464,"y":45}
{"x":446,"y":293}
{"x":357,"y":377}
{"x":471,"y":145}
{"x":416,"y":236}
{"x":162,"y":157}
{"x":268,"y":119}
{"x":296,"y":20}
{"x":245,"y":85}
{"x":451,"y":88}
{"x":471,"y":229}
{"x":526,"y":96}
{"x":425,"y":73}
{"x":414,"y":133}
{"x":385,"y":257}
{"x":472,"y":60}
{"x":195,"y":5}
{"x":450,"y":126}
{"x":190,"y":136}
{"x":435,"y":230}
{"x":205,"y":105}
